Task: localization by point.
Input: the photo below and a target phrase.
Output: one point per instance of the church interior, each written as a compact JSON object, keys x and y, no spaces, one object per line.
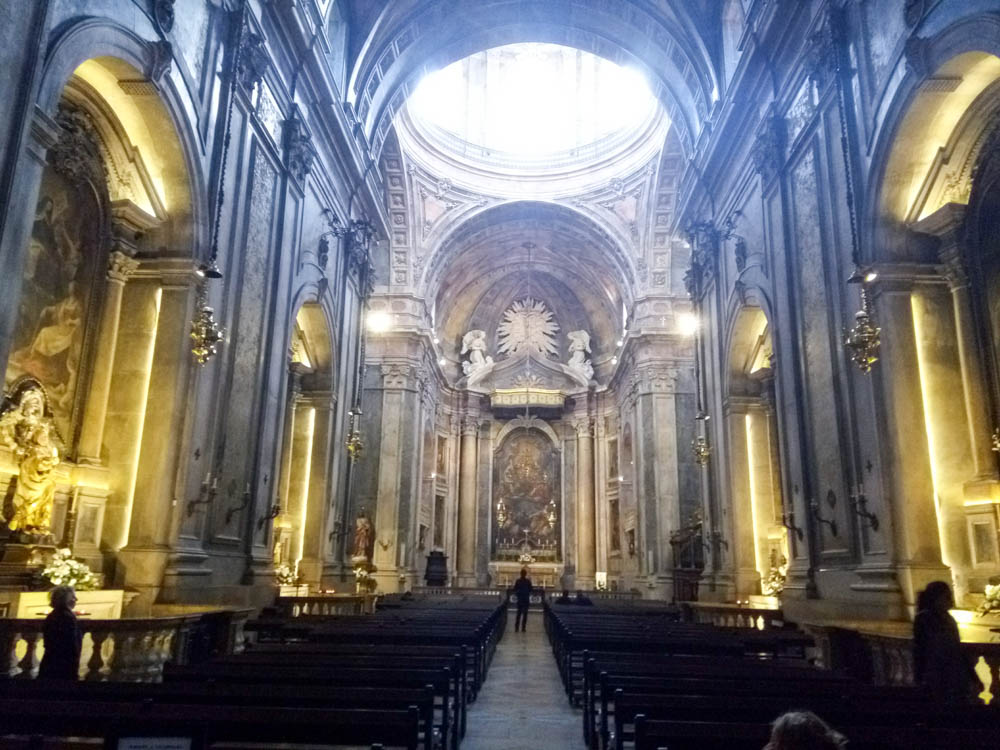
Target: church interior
{"x":322,"y":320}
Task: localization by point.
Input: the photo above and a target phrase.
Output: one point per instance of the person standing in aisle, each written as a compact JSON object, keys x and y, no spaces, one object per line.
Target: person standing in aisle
{"x":522,"y":591}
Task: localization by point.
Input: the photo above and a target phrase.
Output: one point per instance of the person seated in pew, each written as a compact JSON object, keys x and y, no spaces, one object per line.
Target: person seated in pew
{"x":940,"y":665}
{"x":563,"y":598}
{"x":62,"y":637}
{"x":582,"y":599}
{"x":803,"y":730}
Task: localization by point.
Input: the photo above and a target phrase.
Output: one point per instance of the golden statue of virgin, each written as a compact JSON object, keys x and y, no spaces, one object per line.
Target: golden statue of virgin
{"x":26,"y":428}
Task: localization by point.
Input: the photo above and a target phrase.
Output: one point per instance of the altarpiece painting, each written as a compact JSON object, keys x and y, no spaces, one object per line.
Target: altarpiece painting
{"x":527,"y":498}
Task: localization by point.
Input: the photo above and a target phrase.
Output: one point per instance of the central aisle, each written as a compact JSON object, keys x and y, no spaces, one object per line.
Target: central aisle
{"x":522,"y":705}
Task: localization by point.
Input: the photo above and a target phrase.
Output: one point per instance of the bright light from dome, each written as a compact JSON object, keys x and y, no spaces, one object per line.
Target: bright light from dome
{"x":534,"y":99}
{"x":379,"y":321}
{"x":687,"y":324}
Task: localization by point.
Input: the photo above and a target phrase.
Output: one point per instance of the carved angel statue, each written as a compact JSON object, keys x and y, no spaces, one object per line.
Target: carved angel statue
{"x":28,"y":431}
{"x":579,"y":348}
{"x":474,"y":343}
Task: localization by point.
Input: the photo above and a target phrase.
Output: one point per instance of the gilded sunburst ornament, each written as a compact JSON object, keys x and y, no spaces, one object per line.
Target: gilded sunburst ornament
{"x":527,"y":326}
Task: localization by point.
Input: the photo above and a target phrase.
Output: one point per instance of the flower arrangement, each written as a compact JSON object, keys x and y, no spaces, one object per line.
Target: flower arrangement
{"x":64,"y":570}
{"x":364,"y":581}
{"x":773,"y":583}
{"x":991,"y":603}
{"x":286,"y":575}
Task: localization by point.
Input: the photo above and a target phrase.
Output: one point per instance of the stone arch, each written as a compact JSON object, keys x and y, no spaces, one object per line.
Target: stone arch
{"x":929,"y":134}
{"x":95,"y":38}
{"x":400,"y":49}
{"x":537,"y":424}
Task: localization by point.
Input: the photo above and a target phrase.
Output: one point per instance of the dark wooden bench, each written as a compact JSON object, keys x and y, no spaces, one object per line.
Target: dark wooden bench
{"x":213,"y":693}
{"x":205,"y":725}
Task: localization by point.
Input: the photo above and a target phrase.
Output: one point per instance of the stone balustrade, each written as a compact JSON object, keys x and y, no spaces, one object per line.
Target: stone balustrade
{"x":131,"y":650}
{"x":887,"y":658}
{"x":323,"y":605}
{"x":733,"y":615}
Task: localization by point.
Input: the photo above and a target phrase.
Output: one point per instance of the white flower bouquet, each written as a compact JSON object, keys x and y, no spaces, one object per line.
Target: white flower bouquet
{"x":64,"y":570}
{"x":286,"y":575}
{"x":991,"y":603}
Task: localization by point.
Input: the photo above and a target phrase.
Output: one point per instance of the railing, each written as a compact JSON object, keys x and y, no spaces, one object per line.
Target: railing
{"x":127,"y":649}
{"x":325,"y":605}
{"x":458,"y":591}
{"x":732,"y":615}
{"x":884,"y":659}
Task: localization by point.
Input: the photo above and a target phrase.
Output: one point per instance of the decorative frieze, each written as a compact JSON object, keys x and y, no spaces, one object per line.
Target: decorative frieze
{"x":396,"y":376}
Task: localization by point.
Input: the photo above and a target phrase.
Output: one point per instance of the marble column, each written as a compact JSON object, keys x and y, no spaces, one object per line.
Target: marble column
{"x":158,"y":490}
{"x":314,"y":517}
{"x":764,"y":494}
{"x":585,"y":534}
{"x":973,"y":379}
{"x":466,"y":564}
{"x":120,"y":267}
{"x":288,"y":432}
{"x":909,"y":478}
{"x":744,"y":554}
{"x":948,"y":225}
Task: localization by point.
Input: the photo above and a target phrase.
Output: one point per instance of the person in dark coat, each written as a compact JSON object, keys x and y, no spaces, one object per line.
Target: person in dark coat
{"x":62,"y":636}
{"x":522,"y":592}
{"x":941,"y":667}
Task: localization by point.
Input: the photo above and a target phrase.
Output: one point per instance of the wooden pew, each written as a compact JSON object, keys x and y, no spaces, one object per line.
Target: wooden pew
{"x":206,"y":725}
{"x":214,"y":693}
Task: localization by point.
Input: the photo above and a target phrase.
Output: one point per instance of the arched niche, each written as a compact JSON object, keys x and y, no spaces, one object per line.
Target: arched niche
{"x":760,"y":539}
{"x":299,"y":542}
{"x":527,"y":507}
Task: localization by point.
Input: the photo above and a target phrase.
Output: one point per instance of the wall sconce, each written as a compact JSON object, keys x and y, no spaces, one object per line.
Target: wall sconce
{"x":273,"y":512}
{"x":237,"y":508}
{"x":814,"y":506}
{"x":206,"y":334}
{"x":206,"y":494}
{"x":788,"y":521}
{"x":702,"y":450}
{"x":859,"y":503}
{"x":863,"y":339}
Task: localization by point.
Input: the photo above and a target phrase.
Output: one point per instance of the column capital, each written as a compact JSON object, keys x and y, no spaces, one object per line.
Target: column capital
{"x":470,"y":426}
{"x":584,"y":427}
{"x":121,"y":266}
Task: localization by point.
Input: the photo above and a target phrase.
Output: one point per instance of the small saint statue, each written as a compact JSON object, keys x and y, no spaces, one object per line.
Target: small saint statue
{"x":474,"y":344}
{"x":27,"y":429}
{"x":363,"y":538}
{"x":579,"y":348}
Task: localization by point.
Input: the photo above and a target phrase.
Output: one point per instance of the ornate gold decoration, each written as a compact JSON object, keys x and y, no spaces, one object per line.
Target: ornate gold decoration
{"x":996,"y":440}
{"x":863,"y":340}
{"x":206,"y":334}
{"x":27,"y":429}
{"x":354,"y":444}
{"x":501,"y":513}
{"x":702,"y":450}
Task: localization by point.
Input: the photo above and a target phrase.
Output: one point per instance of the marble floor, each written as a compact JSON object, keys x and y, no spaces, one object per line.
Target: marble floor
{"x":522,"y":705}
